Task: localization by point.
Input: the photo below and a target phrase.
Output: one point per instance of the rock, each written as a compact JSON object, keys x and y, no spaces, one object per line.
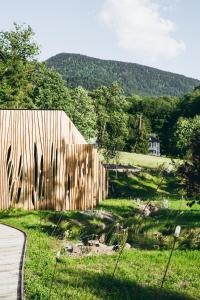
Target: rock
{"x":102,"y":249}
{"x":102,"y":238}
{"x":104,"y":215}
{"x":146,"y":212}
{"x":153,"y":208}
{"x":116,"y":247}
{"x":77,"y":250}
{"x":93,"y":243}
{"x":101,"y":245}
{"x":68,"y":248}
{"x":80,"y":244}
{"x":101,"y":214}
{"x":102,"y":226}
{"x":127,"y":246}
{"x":93,"y":247}
{"x":156,"y":247}
{"x":86,"y":250}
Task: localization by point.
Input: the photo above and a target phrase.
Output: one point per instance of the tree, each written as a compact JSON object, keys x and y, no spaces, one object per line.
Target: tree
{"x":159,"y":114}
{"x":112,"y":119}
{"x":27,"y":83}
{"x":185,"y":131}
{"x":189,"y":171}
{"x":17,"y":66}
{"x":139,"y":130}
{"x":18,"y":44}
{"x":82,"y":112}
{"x":190,"y":104}
{"x":49,"y":90}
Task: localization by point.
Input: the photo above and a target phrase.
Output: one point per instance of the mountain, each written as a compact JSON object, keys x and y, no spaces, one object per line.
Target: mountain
{"x":89,"y":72}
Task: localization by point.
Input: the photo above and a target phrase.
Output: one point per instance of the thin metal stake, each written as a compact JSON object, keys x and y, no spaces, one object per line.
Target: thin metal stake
{"x":168,"y":263}
{"x":120,"y":253}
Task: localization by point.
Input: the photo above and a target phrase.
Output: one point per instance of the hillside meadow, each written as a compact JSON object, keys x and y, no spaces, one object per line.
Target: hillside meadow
{"x":141,"y":160}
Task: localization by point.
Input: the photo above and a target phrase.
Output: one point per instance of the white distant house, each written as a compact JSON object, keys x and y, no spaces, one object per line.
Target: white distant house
{"x":154,"y":144}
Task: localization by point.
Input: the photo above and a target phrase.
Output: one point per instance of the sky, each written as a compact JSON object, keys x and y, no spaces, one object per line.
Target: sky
{"x":159,"y":33}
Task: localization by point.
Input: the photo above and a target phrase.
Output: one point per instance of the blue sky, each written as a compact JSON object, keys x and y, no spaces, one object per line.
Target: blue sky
{"x":158,"y":33}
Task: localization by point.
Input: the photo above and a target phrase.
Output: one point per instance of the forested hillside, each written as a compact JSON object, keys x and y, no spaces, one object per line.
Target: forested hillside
{"x":91,"y":73}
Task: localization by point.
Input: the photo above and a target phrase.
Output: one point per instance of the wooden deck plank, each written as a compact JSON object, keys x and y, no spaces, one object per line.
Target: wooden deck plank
{"x":12,"y":245}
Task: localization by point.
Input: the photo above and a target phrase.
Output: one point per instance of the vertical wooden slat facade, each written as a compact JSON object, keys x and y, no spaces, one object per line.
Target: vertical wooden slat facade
{"x":45,"y":163}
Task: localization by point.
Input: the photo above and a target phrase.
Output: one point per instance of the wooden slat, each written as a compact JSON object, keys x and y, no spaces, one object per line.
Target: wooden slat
{"x":45,"y":163}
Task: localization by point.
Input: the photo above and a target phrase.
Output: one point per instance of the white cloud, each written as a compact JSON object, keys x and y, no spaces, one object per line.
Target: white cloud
{"x":140,"y":28}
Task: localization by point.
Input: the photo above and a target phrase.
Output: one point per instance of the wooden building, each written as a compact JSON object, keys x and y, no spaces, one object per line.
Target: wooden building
{"x":45,"y":163}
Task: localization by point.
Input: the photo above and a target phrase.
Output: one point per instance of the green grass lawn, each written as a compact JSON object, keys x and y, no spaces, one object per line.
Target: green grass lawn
{"x":140,"y":269}
{"x":139,"y":272}
{"x":146,"y":161}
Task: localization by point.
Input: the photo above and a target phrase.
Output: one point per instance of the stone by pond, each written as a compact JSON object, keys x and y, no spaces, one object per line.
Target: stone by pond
{"x":93,"y":247}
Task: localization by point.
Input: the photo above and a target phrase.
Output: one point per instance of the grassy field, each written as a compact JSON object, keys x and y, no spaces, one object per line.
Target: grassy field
{"x":145,"y":184}
{"x":139,"y":273}
{"x":146,"y":161}
{"x":140,"y":269}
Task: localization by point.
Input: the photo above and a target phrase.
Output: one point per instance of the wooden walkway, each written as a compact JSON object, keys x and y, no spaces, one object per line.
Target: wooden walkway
{"x":12,"y":248}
